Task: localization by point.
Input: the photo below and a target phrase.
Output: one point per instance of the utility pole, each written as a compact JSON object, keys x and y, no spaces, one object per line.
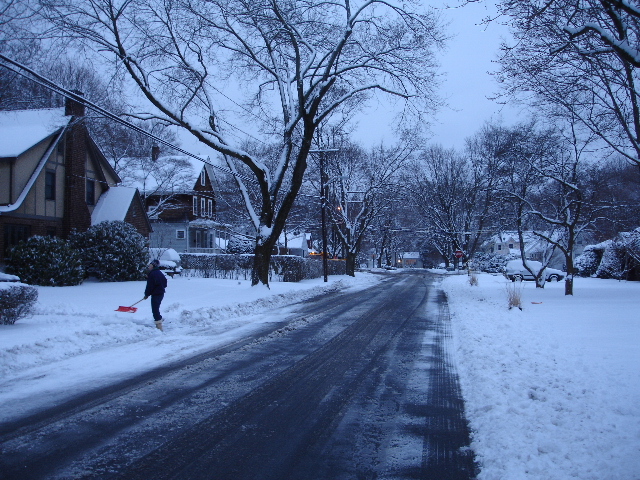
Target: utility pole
{"x":324,"y":194}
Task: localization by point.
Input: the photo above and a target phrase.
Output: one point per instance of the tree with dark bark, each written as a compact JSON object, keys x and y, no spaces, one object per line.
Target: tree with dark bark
{"x":582,"y":56}
{"x":294,"y":64}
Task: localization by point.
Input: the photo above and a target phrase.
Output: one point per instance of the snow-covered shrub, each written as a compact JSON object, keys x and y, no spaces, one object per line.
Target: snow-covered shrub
{"x":289,"y":268}
{"x":490,"y":262}
{"x":16,"y":302}
{"x":587,"y":262}
{"x":113,"y":251}
{"x":46,"y":261}
{"x":612,"y":263}
{"x":238,"y":244}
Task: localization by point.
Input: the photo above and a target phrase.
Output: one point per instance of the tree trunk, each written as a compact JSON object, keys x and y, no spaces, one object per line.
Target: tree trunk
{"x":568,"y":285}
{"x":350,"y":264}
{"x":261,"y":261}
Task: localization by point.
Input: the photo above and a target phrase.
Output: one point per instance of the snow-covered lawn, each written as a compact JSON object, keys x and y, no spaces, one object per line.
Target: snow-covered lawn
{"x":552,"y":391}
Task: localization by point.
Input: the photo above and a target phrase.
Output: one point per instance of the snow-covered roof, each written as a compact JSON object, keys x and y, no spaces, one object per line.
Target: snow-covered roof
{"x":146,"y":183}
{"x":295,"y":240}
{"x":407,"y":255}
{"x":22,"y":129}
{"x":113,"y":205}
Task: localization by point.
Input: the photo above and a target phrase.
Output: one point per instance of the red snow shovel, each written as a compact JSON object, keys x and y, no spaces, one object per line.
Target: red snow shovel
{"x":130,"y":309}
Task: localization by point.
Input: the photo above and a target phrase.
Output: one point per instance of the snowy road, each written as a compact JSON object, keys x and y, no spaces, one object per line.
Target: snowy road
{"x":353,"y":385}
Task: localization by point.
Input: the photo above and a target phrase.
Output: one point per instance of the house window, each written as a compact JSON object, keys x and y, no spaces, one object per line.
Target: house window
{"x":499,"y":247}
{"x":511,"y":245}
{"x":60,"y":147}
{"x":14,"y":234}
{"x":203,"y":205}
{"x":50,"y":185}
{"x":91,"y":192}
{"x":180,"y":234}
{"x":210,"y":207}
{"x":202,"y":178}
{"x":195,"y":205}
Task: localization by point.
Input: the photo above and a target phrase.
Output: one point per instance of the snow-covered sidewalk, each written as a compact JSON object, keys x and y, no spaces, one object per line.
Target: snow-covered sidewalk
{"x":552,"y":391}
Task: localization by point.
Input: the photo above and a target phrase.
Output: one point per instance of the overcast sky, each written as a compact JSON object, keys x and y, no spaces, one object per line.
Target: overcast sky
{"x":466,"y":82}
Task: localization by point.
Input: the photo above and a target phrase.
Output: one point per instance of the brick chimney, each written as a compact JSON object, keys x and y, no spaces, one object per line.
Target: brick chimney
{"x":76,"y":212}
{"x":72,"y":107}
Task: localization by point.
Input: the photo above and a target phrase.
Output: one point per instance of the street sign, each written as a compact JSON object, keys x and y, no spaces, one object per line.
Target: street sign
{"x":459,"y":253}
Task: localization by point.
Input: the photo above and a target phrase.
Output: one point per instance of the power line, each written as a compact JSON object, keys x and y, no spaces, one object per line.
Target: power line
{"x":30,"y":74}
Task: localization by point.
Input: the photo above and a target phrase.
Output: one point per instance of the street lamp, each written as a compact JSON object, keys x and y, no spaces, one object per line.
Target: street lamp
{"x":323,"y":204}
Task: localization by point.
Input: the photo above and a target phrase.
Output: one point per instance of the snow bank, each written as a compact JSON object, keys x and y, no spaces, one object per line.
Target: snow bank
{"x":76,"y":340}
{"x":551,"y":391}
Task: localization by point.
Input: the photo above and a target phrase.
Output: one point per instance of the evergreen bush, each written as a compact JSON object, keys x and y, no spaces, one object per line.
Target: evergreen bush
{"x":16,"y":302}
{"x":46,"y":261}
{"x":587,"y":262}
{"x":612,"y":263}
{"x":238,"y":244}
{"x":112,"y":251}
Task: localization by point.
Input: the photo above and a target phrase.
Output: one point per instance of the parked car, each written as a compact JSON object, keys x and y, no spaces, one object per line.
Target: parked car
{"x":169,"y":260}
{"x":516,"y":271}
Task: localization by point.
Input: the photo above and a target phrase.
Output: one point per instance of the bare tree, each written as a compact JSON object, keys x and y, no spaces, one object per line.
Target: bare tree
{"x":569,"y":203}
{"x":583,"y":56}
{"x":456,"y":194}
{"x":296,"y":62}
{"x":361,"y":186}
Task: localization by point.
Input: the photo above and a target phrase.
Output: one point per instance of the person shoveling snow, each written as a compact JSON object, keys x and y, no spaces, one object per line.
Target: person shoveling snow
{"x":156,"y":285}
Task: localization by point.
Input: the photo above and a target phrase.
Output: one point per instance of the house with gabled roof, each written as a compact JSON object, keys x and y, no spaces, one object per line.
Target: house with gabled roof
{"x":185,"y":220}
{"x":55,"y":180}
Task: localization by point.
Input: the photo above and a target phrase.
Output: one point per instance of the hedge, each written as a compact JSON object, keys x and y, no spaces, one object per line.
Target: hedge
{"x":284,"y":268}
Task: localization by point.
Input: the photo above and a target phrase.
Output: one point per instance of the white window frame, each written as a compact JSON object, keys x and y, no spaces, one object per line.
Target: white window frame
{"x":195,"y":205}
{"x":202,"y":178}
{"x":210,"y":207}
{"x":203,"y":205}
{"x":184,"y":234}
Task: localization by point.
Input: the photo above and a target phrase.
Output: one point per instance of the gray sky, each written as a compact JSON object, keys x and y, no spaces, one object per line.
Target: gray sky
{"x":466,"y":83}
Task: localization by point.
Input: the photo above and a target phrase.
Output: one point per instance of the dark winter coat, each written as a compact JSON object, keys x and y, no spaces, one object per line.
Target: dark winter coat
{"x":156,"y":283}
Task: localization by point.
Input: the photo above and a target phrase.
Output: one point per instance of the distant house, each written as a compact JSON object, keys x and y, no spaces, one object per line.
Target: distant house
{"x":294,"y":243}
{"x":186,"y":220}
{"x":410,"y":260}
{"x":54,"y":179}
{"x":503,"y":244}
{"x":535,"y":248}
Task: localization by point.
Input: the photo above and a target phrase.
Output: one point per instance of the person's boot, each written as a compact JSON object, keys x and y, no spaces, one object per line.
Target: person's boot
{"x":159,"y":325}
